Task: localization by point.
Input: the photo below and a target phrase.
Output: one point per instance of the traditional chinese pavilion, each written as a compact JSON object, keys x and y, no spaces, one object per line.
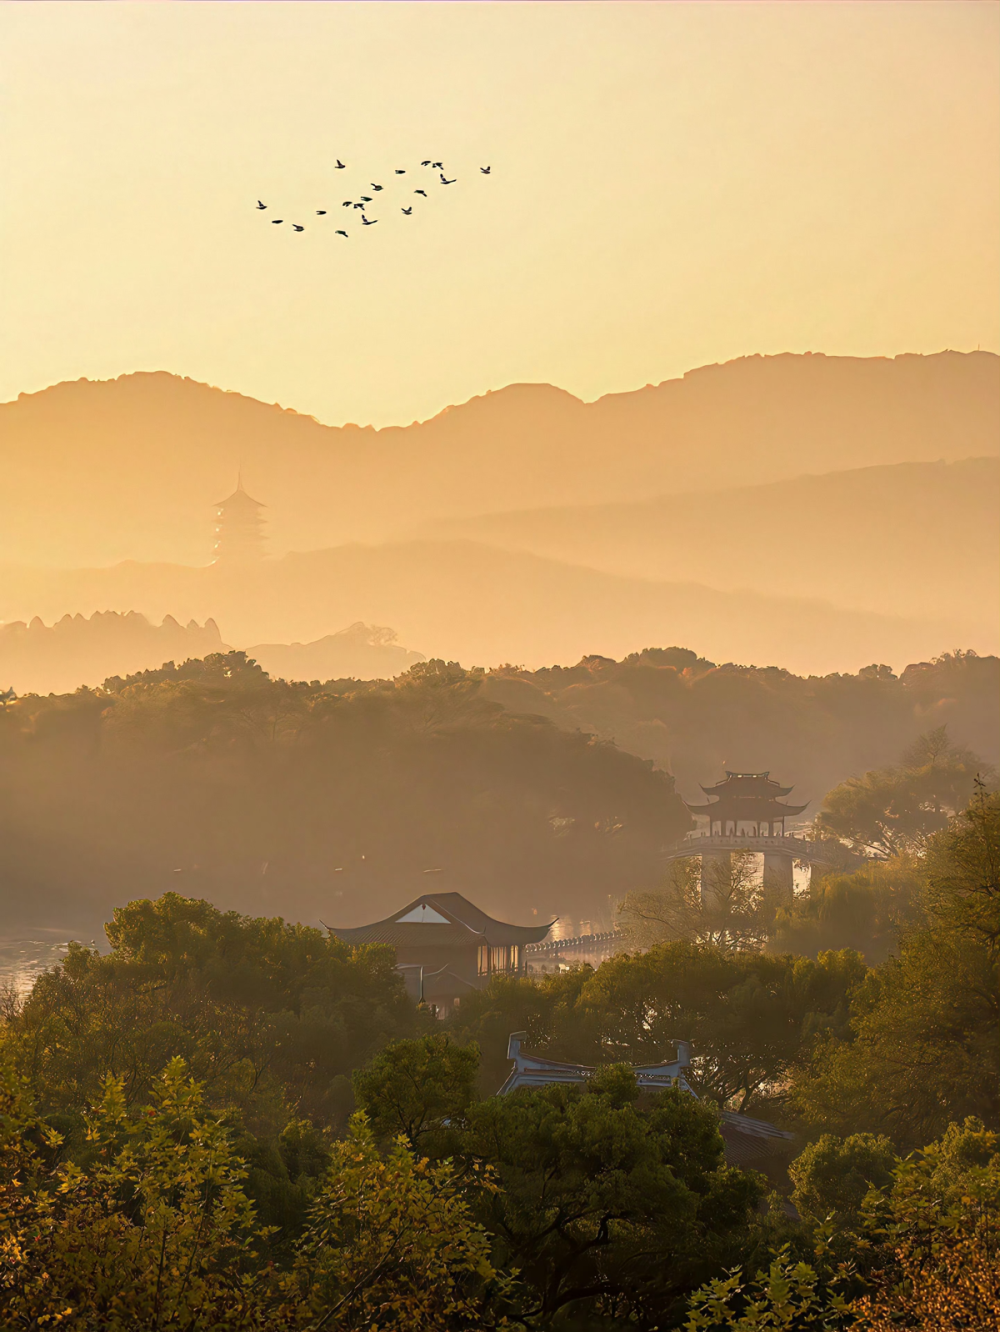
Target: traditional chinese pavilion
{"x":445,"y":946}
{"x":239,"y":529}
{"x":746,"y":802}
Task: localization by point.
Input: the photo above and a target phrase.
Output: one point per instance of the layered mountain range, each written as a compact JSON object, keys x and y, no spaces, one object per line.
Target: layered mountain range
{"x":810,"y":511}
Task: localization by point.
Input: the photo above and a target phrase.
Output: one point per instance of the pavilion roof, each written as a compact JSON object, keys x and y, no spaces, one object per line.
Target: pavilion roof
{"x":746,"y":795}
{"x":748,"y":808}
{"x":441,"y":920}
{"x":747,"y":784}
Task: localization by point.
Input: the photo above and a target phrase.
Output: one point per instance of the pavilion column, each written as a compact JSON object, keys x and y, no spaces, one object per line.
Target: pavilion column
{"x":715,"y":866}
{"x":778,"y":876}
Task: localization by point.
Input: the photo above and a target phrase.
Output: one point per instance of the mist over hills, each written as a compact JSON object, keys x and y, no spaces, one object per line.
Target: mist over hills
{"x":98,"y":472}
{"x":916,"y":539}
{"x":482,"y":605}
{"x":86,"y":651}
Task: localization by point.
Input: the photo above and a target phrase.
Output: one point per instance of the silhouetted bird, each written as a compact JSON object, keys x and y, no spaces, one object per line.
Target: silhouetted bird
{"x":340,"y":164}
{"x":276,"y":221}
{"x":321,"y":212}
{"x":444,"y":181}
{"x":296,"y":227}
{"x":485,"y":170}
{"x":376,"y":187}
{"x":361,"y":206}
{"x":423,"y":192}
{"x":400,"y":171}
{"x":425,"y":163}
{"x":260,"y":205}
{"x":366,"y":198}
{"x":368,"y":221}
{"x":407,"y":211}
{"x":348,"y":203}
{"x":340,"y":233}
{"x":437,"y":165}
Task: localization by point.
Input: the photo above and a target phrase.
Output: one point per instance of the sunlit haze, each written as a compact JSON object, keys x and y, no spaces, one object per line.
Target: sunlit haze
{"x":671,"y":185}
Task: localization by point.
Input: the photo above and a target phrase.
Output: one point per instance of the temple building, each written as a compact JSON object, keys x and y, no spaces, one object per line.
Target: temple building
{"x":746,"y":802}
{"x":747,"y":1140}
{"x":446,"y":947}
{"x":239,"y":529}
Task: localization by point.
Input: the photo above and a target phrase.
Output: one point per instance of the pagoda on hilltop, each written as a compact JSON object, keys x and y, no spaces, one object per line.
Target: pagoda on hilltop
{"x":239,"y":529}
{"x":746,"y":802}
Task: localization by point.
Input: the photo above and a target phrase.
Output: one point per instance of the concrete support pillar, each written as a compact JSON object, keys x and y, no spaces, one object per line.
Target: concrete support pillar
{"x":715,"y":865}
{"x":778,"y":876}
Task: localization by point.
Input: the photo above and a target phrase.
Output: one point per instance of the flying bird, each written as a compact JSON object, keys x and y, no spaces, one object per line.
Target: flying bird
{"x":361,"y":206}
{"x":296,"y":227}
{"x":427,"y":163}
{"x":423,"y":192}
{"x":437,"y":165}
{"x":341,"y":233}
{"x":400,"y":171}
{"x":485,"y":170}
{"x":276,"y":221}
{"x":368,"y":221}
{"x":261,"y":205}
{"x":340,"y":164}
{"x":407,"y":211}
{"x":321,"y":212}
{"x":366,"y":198}
{"x":444,"y":181}
{"x":376,"y":187}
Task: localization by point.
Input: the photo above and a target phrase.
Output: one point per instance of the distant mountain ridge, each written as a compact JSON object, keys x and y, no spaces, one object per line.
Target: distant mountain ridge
{"x":483,"y":605}
{"x":918,"y":539}
{"x":98,"y":472}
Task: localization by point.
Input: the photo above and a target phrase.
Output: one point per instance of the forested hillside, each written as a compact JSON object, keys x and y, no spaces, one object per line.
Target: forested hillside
{"x":212,"y":780}
{"x":543,"y":793}
{"x":694,"y":718}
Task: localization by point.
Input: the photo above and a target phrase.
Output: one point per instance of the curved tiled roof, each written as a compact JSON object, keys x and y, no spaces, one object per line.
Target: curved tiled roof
{"x":466,"y":925}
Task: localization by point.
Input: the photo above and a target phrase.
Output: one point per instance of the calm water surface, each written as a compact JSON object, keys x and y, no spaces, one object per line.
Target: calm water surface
{"x":24,"y":958}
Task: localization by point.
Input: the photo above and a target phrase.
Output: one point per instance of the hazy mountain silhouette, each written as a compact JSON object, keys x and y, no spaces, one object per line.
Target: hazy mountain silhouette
{"x":913,"y":538}
{"x":130,"y":468}
{"x":359,"y":652}
{"x":75,"y":651}
{"x":483,"y":605}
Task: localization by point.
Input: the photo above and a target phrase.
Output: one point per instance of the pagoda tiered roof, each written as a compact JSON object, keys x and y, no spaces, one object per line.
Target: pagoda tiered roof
{"x":746,"y":797}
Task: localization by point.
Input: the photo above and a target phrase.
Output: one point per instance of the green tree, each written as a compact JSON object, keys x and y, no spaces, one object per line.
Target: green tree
{"x":922,"y":1047}
{"x":893,"y":811}
{"x":610,"y":1204}
{"x":392,"y":1243}
{"x":268,"y":1014}
{"x":930,"y":1239}
{"x":156,"y":1231}
{"x":867,"y":910}
{"x":832,"y":1176}
{"x":726,"y":906}
{"x":420,"y":1089}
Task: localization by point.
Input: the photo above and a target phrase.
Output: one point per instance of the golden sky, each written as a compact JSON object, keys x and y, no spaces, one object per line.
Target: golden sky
{"x":672,"y":185}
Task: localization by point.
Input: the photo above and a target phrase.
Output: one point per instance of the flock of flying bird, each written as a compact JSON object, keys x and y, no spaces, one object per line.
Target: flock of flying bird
{"x":365,"y":199}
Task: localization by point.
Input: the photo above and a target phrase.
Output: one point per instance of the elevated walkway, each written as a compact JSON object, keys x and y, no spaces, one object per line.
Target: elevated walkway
{"x":796,"y":848}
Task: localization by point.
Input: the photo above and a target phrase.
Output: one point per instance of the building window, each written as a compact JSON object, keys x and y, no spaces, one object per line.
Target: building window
{"x":484,"y":961}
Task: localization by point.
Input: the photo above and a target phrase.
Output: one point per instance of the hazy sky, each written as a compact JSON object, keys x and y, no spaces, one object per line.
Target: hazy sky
{"x":672,"y":184}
